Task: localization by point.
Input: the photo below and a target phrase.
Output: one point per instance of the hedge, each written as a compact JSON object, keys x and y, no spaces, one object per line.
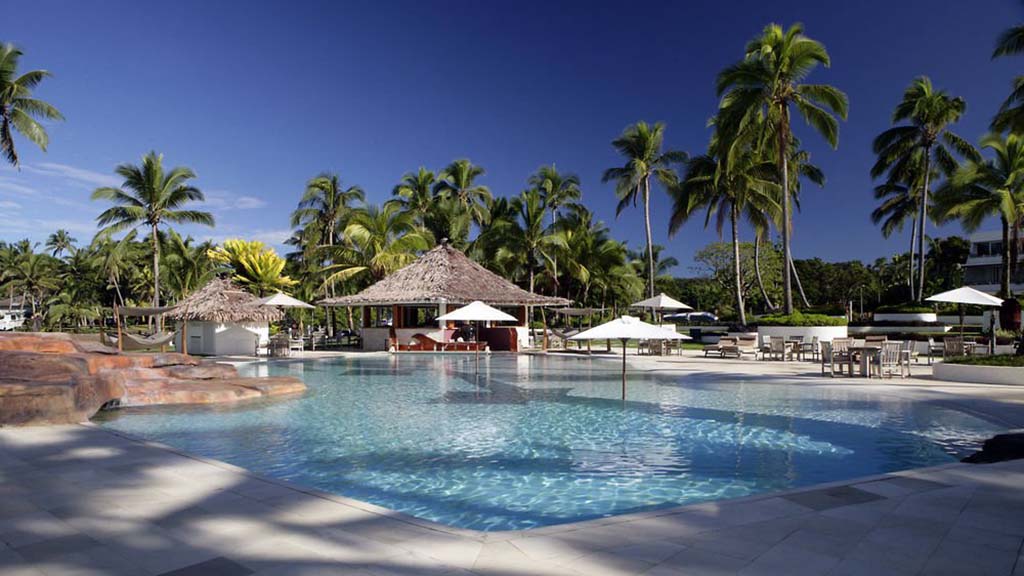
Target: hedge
{"x":904,"y":309}
{"x":800,"y":319}
{"x":1009,"y":360}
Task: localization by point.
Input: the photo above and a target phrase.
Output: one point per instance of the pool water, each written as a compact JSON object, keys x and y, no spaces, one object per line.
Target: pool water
{"x":533,"y":441}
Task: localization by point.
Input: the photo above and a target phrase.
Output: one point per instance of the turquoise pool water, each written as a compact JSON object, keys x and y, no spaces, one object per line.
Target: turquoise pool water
{"x":533,"y":441}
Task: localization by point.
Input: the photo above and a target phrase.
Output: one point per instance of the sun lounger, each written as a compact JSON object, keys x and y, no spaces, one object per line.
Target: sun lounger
{"x":717,"y":348}
{"x":743,"y":347}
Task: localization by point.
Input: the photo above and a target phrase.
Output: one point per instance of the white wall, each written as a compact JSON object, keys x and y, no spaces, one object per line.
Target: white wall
{"x":903,"y":317}
{"x":216,"y":339}
{"x":824,"y":333}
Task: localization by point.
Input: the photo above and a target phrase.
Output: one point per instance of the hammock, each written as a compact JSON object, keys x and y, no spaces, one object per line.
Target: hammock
{"x":138,"y":342}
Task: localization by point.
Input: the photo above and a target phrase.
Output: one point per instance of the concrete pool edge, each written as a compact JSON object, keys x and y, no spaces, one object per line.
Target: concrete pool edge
{"x":550,"y":530}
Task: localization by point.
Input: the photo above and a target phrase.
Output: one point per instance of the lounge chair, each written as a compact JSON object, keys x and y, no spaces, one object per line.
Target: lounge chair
{"x":890,"y":360}
{"x":718,"y":347}
{"x":745,"y":346}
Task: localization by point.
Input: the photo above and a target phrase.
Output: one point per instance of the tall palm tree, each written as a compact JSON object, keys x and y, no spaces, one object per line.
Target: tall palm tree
{"x":34,"y":275}
{"x":326,"y":204}
{"x":189,"y":264}
{"x":458,"y":181}
{"x":415,"y":193}
{"x":757,"y":95}
{"x":641,"y":145}
{"x":18,"y":109}
{"x":150,"y":197}
{"x":727,"y":184}
{"x":994,"y":187}
{"x":901,"y":199}
{"x":1011,"y":113}
{"x":557,"y":191}
{"x":923,"y":139}
{"x":528,"y":239}
{"x":377,"y":241}
{"x":60,"y":242}
{"x":323,"y":212}
{"x":115,"y":258}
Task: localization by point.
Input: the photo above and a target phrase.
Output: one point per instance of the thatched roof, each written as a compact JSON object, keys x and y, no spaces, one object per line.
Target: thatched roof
{"x":444,"y":274}
{"x":221,"y":301}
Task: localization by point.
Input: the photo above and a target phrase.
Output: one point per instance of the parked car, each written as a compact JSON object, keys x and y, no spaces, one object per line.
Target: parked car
{"x":694,"y":317}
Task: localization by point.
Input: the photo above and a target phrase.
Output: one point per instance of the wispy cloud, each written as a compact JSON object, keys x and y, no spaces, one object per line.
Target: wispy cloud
{"x":9,"y":205}
{"x":221,"y":200}
{"x":73,"y":173}
{"x":9,"y":185}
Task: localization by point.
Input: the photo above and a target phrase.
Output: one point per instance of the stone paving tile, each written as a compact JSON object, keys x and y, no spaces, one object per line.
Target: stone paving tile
{"x":954,"y":558}
{"x":53,"y":547}
{"x":792,"y":561}
{"x":33,"y":528}
{"x":605,"y":563}
{"x":653,"y":551}
{"x":984,"y":538}
{"x":828,"y":498}
{"x":218,"y":566}
{"x":703,"y":562}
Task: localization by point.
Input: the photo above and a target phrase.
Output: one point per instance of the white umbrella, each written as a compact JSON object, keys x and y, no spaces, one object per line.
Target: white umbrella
{"x":477,"y":311}
{"x":661,"y":302}
{"x":628,"y":328}
{"x":283,"y":300}
{"x":966,"y":295}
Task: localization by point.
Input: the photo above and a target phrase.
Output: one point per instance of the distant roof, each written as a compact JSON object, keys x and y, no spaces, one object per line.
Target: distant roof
{"x":222,"y":301}
{"x":444,"y":274}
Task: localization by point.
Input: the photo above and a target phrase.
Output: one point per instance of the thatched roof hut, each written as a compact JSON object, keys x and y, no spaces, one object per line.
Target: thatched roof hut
{"x":444,"y":275}
{"x":222,"y":301}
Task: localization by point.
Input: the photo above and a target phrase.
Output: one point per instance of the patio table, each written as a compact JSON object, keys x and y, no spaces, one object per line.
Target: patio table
{"x":867,"y":351}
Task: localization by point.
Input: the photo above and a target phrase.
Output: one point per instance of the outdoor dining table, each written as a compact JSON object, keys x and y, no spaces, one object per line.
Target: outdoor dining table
{"x":867,"y":351}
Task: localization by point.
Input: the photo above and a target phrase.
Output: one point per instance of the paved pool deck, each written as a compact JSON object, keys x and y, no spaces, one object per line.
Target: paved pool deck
{"x":84,"y":500}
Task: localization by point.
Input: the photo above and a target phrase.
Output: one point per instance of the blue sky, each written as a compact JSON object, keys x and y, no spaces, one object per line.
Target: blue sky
{"x":257,"y":97}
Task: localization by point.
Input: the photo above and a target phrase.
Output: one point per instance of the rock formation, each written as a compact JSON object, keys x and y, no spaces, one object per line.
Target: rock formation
{"x":53,"y":379}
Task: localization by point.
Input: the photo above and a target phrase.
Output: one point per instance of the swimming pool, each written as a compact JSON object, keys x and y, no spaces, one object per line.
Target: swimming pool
{"x":534,"y":441}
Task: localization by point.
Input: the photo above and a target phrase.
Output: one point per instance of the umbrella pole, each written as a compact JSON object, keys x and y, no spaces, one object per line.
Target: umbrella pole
{"x":623,"y":369}
{"x":961,"y":320}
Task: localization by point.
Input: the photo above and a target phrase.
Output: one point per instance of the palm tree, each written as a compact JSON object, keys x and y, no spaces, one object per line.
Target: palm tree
{"x":727,"y":184}
{"x":641,"y":145}
{"x":326,"y":205}
{"x":189,"y":264}
{"x":924,"y":139}
{"x":18,"y":109}
{"x":527,"y":239}
{"x":34,"y":275}
{"x":150,"y":196}
{"x":378,"y":241}
{"x":1011,"y":113}
{"x":901,"y":201}
{"x":458,"y":181}
{"x":60,"y":242}
{"x":994,"y":187}
{"x":115,"y":257}
{"x":757,"y":94}
{"x":557,"y":191}
{"x":254,"y":265}
{"x":415,"y":193}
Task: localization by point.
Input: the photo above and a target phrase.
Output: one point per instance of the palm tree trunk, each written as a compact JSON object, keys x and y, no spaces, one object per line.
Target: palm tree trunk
{"x":1004,"y":274}
{"x":787,"y":282}
{"x":799,"y":284}
{"x":921,"y":230}
{"x":910,"y":275}
{"x":650,"y":241}
{"x":737,"y":271}
{"x":156,"y":275}
{"x":757,"y":272}
{"x":331,"y":315}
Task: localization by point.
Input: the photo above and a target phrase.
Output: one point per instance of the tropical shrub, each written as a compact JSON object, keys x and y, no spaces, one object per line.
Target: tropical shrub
{"x":906,"y":308}
{"x":1005,"y":360}
{"x":254,"y":265}
{"x":800,"y":319}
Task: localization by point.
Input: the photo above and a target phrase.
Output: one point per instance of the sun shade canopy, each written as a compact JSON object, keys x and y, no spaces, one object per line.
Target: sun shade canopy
{"x":283,"y":300}
{"x":477,"y":312}
{"x":967,"y":295}
{"x":661,"y":302}
{"x":628,"y":328}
